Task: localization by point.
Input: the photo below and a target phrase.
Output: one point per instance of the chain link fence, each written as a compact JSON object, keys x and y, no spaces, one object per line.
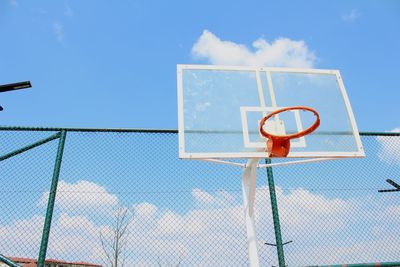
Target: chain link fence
{"x":125,"y":199}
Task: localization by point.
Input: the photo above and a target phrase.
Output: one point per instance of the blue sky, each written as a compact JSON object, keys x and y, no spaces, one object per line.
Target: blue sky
{"x":97,"y":64}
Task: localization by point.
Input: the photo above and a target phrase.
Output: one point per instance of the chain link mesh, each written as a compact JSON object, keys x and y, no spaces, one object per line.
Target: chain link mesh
{"x":130,"y":186}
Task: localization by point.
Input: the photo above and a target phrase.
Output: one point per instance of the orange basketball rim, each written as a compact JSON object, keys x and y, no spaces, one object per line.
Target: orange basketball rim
{"x":279,"y":145}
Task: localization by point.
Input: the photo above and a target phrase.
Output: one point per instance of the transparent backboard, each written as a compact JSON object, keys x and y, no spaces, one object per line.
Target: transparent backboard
{"x":220,"y":107}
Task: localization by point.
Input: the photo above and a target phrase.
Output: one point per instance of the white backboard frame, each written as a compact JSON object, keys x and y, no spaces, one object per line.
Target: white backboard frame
{"x":262,"y":154}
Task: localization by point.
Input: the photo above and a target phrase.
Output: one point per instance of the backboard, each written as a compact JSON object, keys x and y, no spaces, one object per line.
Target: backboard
{"x":220,"y":107}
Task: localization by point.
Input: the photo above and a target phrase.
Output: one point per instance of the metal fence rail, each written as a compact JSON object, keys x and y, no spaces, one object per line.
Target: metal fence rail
{"x":126,"y":191}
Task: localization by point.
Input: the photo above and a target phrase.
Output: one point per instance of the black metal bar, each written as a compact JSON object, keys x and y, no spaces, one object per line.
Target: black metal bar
{"x":15,"y":86}
{"x":288,"y":242}
{"x":388,"y":190}
{"x":393,"y":183}
{"x":274,"y":245}
{"x":380,"y":133}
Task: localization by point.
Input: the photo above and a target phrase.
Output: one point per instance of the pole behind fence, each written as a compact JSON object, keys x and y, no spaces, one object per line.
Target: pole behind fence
{"x":275,"y":215}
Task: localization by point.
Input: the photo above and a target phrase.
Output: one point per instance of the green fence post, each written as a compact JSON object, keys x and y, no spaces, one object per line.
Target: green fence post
{"x":275,"y":215}
{"x":52,"y":197}
{"x":7,"y":261}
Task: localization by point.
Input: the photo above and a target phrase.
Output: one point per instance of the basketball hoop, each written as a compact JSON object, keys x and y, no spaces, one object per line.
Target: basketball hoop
{"x":279,"y":145}
{"x":210,"y":94}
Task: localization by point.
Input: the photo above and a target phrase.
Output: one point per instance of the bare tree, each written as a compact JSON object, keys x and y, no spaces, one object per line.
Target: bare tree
{"x":114,"y":242}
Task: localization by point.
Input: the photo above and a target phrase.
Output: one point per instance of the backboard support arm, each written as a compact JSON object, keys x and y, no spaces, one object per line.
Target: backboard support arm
{"x":249,"y":191}
{"x":245,"y":165}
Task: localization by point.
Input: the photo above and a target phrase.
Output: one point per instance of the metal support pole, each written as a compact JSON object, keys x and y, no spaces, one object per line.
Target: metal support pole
{"x":275,"y":215}
{"x":51,"y":200}
{"x":249,"y":191}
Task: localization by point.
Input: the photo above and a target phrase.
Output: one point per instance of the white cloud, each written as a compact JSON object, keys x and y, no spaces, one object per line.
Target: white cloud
{"x":202,"y":197}
{"x":394,"y":211}
{"x":215,"y":226}
{"x":82,"y":195}
{"x":75,"y":235}
{"x":212,"y":231}
{"x":317,"y":207}
{"x":75,"y":222}
{"x":74,"y":238}
{"x":58,"y":29}
{"x":145,"y":210}
{"x":348,"y":251}
{"x":282,"y":52}
{"x":351,"y":16}
{"x":224,"y":198}
{"x":221,"y":198}
{"x":307,"y":210}
{"x":389,"y":148}
{"x":170,"y":223}
{"x":22,"y":237}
